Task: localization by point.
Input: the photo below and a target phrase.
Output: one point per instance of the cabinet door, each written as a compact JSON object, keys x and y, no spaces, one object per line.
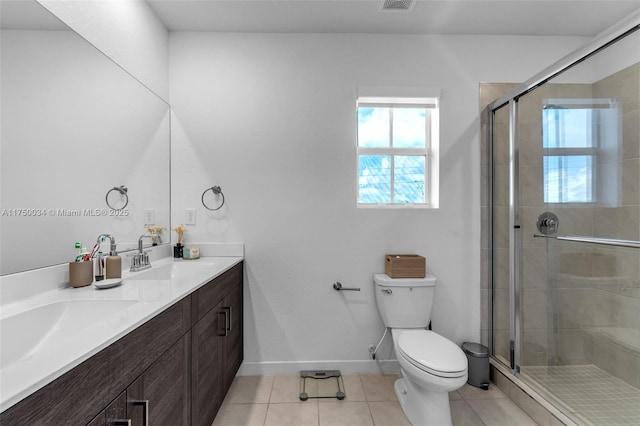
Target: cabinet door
{"x":207,"y":366}
{"x":233,"y":350}
{"x":161,"y":395}
{"x":114,"y":414}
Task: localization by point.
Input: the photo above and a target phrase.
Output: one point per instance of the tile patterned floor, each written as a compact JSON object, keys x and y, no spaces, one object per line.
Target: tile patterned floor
{"x":590,"y":393}
{"x":370,"y":401}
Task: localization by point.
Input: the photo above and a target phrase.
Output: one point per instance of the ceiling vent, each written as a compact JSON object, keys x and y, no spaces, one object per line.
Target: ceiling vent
{"x":398,"y":5}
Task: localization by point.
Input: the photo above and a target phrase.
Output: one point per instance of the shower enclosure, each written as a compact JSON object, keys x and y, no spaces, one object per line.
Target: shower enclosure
{"x":563,"y":231}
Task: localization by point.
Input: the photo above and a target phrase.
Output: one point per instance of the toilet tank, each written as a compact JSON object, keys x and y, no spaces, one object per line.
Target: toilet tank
{"x":405,"y":302}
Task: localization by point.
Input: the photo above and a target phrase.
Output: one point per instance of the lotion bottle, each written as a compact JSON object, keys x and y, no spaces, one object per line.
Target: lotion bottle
{"x":113,"y":262}
{"x":114,"y":266}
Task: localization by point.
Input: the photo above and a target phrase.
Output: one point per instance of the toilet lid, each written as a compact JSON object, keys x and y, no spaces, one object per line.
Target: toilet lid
{"x":432,"y":353}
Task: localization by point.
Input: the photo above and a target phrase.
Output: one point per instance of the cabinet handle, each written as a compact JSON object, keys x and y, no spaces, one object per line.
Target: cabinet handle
{"x":223,"y":332}
{"x":145,"y":409}
{"x":228,"y":314}
{"x":119,"y":422}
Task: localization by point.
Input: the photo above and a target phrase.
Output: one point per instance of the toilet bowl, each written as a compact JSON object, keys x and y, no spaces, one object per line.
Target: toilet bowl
{"x":432,"y":366}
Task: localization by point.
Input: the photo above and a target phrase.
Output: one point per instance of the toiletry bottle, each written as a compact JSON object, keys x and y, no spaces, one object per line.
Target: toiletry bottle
{"x":114,"y":265}
{"x":99,"y":267}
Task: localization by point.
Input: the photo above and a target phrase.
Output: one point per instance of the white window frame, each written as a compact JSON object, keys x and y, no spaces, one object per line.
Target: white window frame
{"x":430,"y":150}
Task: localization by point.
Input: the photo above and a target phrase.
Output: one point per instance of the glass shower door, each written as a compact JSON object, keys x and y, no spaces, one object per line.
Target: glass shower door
{"x":579,"y":302}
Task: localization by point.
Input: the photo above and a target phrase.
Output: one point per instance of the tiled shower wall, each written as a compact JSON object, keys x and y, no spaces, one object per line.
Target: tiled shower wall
{"x":581,"y":303}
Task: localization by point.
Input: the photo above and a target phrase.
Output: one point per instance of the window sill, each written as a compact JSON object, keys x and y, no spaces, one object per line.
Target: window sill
{"x":404,"y":206}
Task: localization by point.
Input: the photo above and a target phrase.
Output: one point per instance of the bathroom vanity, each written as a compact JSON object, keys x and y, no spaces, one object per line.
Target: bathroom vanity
{"x":174,"y":367}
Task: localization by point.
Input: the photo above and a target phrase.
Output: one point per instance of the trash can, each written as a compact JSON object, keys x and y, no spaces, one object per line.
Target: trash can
{"x":478,"y":358}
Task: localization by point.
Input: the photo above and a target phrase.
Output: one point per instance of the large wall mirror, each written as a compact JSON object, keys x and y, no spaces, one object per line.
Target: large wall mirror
{"x":74,"y":126}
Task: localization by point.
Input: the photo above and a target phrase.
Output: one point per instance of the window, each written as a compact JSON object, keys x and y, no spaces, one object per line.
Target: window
{"x":569,"y":145}
{"x":577,"y":134}
{"x":397,"y":165}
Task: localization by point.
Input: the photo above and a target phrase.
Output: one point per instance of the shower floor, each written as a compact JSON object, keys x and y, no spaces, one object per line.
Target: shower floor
{"x":589,"y":393}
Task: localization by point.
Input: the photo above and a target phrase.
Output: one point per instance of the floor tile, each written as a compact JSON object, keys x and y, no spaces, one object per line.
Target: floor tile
{"x":379,"y":387}
{"x":345,"y":414}
{"x":590,"y":392}
{"x":500,"y":412}
{"x":352,"y":388}
{"x":463,"y":415}
{"x":454,"y":395}
{"x":388,"y":413}
{"x":370,"y":401}
{"x":292,"y":414}
{"x":286,"y":388}
{"x":472,"y":392}
{"x":250,"y":390}
{"x":241,"y":415}
{"x":533,"y":409}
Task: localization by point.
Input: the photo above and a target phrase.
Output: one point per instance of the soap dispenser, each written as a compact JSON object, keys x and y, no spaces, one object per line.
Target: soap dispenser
{"x":113,"y":262}
{"x":113,"y":266}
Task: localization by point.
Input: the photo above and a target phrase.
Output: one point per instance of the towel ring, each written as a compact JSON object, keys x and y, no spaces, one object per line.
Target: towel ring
{"x":123,"y":191}
{"x":215,"y":190}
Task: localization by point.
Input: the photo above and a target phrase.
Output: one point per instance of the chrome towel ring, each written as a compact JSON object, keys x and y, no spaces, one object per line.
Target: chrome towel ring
{"x":123,"y":191}
{"x":216,"y":191}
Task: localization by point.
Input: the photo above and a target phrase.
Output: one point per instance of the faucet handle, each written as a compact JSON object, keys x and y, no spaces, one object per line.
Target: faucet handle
{"x":135,"y":260}
{"x":144,"y":258}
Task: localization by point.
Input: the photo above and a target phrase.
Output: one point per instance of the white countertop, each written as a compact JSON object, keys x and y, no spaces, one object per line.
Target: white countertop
{"x":135,"y":302}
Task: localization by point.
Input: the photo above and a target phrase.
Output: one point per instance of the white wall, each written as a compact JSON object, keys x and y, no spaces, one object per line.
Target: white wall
{"x":271,"y":119}
{"x":127,"y":31}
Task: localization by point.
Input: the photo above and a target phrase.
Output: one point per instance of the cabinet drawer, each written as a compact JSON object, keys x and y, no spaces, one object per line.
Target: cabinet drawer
{"x":209,"y":295}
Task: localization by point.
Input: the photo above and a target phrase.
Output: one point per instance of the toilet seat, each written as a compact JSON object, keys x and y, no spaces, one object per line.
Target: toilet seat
{"x":432,"y":353}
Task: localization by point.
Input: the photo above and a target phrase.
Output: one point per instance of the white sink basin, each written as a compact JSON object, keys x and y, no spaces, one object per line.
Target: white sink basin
{"x":29,"y":331}
{"x":176,"y":270}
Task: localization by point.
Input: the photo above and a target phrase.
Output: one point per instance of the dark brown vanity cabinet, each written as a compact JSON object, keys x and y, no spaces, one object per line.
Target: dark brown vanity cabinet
{"x":161,"y":395}
{"x":175,"y":369}
{"x":216,"y":344}
{"x":115,"y":413}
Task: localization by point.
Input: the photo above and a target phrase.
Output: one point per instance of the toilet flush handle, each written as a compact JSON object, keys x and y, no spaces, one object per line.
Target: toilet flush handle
{"x":387,"y":290}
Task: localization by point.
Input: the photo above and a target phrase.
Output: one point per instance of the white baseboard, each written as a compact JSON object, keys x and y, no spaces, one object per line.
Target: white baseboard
{"x":294,"y":367}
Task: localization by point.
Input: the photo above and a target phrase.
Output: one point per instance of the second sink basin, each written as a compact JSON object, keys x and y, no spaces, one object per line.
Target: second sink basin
{"x":176,"y":270}
{"x":29,"y":331}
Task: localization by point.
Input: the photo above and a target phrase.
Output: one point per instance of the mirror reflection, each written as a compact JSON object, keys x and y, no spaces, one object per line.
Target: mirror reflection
{"x":74,"y":126}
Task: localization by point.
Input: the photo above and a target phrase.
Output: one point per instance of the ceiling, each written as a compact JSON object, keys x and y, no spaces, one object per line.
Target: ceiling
{"x":482,"y":17}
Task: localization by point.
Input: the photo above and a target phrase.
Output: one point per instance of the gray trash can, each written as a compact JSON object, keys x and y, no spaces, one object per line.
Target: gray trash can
{"x":478,"y":358}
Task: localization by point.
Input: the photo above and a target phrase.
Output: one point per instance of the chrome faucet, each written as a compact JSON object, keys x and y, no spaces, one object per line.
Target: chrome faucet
{"x":140,"y":260}
{"x":112,"y":247}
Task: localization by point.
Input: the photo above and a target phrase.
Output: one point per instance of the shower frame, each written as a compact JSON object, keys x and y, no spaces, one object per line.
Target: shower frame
{"x":510,"y":100}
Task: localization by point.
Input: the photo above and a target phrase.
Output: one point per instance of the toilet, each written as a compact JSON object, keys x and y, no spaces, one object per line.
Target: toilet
{"x":432,"y":366}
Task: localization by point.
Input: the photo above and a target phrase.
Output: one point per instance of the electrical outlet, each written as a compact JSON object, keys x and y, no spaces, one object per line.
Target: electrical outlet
{"x":190,"y":217}
{"x":149,"y":217}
